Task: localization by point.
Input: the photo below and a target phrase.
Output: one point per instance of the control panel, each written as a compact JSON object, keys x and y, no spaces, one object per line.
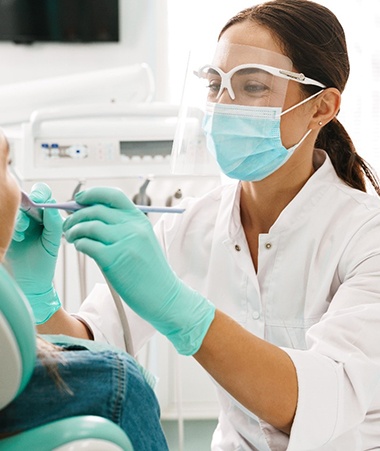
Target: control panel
{"x":122,"y":141}
{"x":96,"y":152}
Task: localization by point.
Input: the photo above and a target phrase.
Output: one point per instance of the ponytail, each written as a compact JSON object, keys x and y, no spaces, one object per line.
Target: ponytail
{"x":348,"y":164}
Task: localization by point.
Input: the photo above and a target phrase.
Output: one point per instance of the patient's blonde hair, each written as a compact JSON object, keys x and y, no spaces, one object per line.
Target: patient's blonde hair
{"x":50,"y":355}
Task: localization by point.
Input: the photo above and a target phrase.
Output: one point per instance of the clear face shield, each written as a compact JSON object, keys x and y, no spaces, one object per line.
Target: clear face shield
{"x":238,"y":75}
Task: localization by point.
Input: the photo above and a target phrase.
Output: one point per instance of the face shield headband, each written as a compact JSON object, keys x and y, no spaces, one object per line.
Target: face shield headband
{"x":250,"y":76}
{"x":245,"y":83}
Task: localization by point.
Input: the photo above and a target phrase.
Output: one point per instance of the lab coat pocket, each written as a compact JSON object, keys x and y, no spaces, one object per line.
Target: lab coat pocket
{"x":296,"y":333}
{"x":290,"y":333}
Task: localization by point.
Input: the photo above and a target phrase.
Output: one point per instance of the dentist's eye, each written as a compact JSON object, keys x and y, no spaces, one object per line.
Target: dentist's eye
{"x":255,"y":88}
{"x":213,"y":88}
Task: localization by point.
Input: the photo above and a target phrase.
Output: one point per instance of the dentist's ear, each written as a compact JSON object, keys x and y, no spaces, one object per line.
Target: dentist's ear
{"x":327,"y":107}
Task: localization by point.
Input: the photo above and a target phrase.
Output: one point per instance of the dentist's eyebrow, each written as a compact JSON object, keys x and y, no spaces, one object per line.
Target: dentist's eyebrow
{"x":211,"y":71}
{"x":252,"y":70}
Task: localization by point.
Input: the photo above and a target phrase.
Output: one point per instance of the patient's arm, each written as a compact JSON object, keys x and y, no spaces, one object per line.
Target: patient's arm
{"x":63,"y":323}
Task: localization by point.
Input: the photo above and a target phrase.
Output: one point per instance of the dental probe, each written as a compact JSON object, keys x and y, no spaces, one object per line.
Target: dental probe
{"x":34,"y":209}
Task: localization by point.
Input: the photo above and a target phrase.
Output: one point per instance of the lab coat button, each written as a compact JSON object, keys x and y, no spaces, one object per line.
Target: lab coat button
{"x":268,"y":245}
{"x":255,"y":314}
{"x":237,"y":248}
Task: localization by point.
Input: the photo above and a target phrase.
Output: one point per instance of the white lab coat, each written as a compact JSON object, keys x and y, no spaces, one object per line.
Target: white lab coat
{"x":316,"y":295}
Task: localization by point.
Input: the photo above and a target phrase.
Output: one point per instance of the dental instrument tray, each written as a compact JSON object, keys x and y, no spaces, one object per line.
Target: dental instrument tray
{"x":94,"y":141}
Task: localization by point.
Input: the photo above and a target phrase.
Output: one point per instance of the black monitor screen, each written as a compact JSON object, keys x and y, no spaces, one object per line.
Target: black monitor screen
{"x":26,"y":21}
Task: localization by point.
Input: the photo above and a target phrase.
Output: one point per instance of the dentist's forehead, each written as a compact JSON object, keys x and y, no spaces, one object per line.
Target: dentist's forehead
{"x":227,"y":56}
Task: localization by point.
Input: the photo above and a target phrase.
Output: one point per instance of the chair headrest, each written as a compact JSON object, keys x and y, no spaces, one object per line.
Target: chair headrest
{"x":17,"y":339}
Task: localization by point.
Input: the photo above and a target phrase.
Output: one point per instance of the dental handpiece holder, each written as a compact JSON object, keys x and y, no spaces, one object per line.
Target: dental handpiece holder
{"x":142,"y":197}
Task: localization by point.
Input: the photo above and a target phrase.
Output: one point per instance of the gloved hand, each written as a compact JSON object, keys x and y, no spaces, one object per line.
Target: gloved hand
{"x":33,"y":253}
{"x":121,"y":240}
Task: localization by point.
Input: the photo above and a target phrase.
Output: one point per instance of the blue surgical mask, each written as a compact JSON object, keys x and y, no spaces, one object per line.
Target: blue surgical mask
{"x":246,"y":140}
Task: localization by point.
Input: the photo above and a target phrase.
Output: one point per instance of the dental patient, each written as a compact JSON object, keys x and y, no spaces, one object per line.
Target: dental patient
{"x":72,"y":376}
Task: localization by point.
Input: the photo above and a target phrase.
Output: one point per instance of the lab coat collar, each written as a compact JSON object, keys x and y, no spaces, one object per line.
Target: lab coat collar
{"x":298,"y":209}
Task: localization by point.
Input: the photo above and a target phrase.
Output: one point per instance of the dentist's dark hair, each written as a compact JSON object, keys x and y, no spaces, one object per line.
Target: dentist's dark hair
{"x":312,"y":37}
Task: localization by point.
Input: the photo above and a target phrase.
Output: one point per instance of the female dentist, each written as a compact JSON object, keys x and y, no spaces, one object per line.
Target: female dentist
{"x":274,"y":283}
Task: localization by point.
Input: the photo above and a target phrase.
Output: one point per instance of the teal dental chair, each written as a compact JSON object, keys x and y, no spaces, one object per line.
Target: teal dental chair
{"x":17,"y":359}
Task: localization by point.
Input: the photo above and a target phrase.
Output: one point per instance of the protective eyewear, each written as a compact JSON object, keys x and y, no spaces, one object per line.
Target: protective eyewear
{"x":250,"y":84}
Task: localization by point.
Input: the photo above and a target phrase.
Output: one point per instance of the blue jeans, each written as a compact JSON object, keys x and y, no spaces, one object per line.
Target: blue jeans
{"x":106,"y":383}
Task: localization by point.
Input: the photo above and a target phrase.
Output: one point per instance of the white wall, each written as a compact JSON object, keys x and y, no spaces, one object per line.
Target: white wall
{"x":142,"y":39}
{"x":194,"y":26}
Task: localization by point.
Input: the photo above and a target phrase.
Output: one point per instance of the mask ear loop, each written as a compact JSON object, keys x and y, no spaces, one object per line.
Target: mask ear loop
{"x":302,"y":102}
{"x":293,"y":148}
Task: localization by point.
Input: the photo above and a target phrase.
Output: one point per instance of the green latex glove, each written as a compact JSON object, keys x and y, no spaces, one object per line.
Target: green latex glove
{"x":121,"y":240}
{"x":33,"y":254}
